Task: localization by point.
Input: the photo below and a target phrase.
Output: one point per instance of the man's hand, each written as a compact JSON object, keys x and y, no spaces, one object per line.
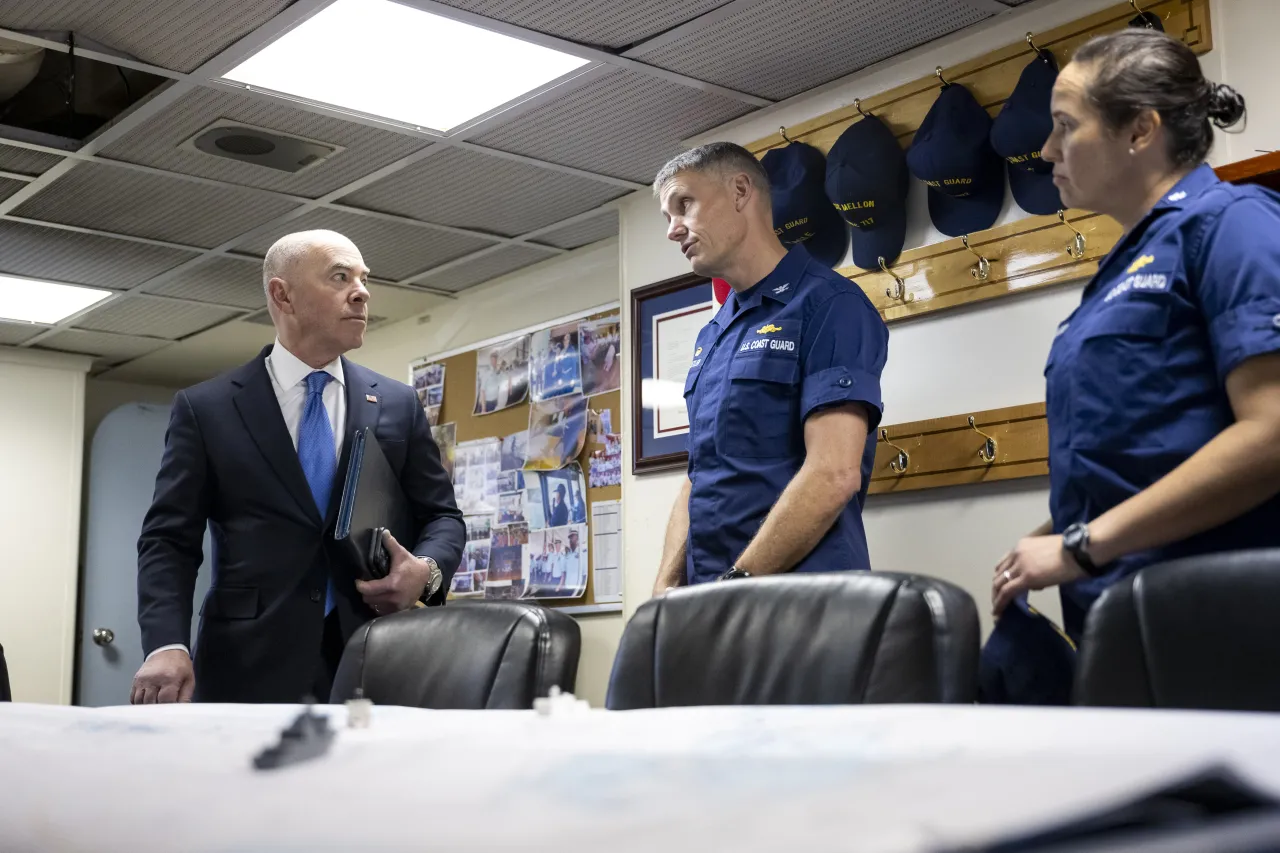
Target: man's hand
{"x":166,"y":677}
{"x":671,"y":571}
{"x":663,"y":585}
{"x":1037,"y":562}
{"x":403,"y":584}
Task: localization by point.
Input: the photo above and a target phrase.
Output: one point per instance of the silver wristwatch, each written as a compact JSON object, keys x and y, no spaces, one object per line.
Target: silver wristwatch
{"x":433,"y":580}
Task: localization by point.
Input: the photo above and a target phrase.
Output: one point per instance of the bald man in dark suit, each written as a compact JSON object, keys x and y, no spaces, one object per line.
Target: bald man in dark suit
{"x":258,"y":455}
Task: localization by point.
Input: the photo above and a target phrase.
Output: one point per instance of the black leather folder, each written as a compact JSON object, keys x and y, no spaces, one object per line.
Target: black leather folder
{"x":372,"y":501}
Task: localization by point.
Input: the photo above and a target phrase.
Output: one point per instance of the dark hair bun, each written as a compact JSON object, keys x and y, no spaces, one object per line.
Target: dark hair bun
{"x":1226,"y":105}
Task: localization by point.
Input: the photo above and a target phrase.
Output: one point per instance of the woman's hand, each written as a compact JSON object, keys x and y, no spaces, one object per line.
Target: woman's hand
{"x":1037,"y":562}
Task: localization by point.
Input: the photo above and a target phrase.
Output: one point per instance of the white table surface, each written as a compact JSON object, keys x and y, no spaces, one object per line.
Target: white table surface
{"x":873,"y":778}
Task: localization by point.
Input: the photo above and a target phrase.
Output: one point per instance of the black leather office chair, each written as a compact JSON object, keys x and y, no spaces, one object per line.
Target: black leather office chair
{"x":468,"y":655}
{"x":1194,"y":633}
{"x":5,"y":694}
{"x":814,"y":639}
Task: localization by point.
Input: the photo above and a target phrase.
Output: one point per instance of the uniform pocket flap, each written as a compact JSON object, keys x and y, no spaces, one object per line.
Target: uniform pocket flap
{"x":233,"y":602}
{"x":1132,"y":319}
{"x":691,"y":379}
{"x":766,"y":368}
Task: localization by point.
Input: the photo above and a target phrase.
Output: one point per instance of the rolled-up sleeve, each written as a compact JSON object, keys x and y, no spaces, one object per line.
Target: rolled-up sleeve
{"x":843,"y":353}
{"x":1239,"y":286}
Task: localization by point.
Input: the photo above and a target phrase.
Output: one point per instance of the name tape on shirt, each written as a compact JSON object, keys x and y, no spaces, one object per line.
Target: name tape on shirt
{"x":768,"y":344}
{"x":1153,"y":282}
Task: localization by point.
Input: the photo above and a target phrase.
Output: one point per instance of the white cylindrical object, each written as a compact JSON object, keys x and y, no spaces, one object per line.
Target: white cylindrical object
{"x":19,"y":64}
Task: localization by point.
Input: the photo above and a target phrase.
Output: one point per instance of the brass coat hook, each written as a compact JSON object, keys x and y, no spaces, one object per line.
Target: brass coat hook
{"x":943,"y":80}
{"x":987,"y":453}
{"x":857,"y":105}
{"x":1037,"y":51}
{"x":1076,"y":247}
{"x":899,"y":289}
{"x":899,"y":465}
{"x":982,"y":271}
{"x":782,"y":131}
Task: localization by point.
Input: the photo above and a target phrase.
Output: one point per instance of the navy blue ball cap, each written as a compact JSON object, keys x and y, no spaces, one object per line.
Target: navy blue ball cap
{"x":1020,"y":132}
{"x":1027,"y":660}
{"x":801,"y":211}
{"x":867,"y":182}
{"x":1148,"y":20}
{"x":952,"y":154}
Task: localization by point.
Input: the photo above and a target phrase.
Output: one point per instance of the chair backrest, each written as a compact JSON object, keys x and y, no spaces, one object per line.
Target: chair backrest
{"x":812,"y":639}
{"x":468,"y":655}
{"x":1198,"y":633}
{"x":5,"y":694}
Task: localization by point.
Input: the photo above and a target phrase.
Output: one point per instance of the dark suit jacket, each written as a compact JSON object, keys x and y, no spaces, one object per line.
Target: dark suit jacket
{"x":229,"y":461}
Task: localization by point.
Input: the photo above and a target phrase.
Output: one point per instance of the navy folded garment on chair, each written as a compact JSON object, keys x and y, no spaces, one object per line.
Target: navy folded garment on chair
{"x":1027,"y":660}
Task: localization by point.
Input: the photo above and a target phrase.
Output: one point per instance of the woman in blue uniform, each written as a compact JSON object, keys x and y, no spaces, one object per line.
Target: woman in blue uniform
{"x":1163,"y":387}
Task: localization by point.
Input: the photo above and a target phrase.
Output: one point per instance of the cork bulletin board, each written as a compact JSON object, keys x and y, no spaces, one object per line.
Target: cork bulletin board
{"x":458,"y":404}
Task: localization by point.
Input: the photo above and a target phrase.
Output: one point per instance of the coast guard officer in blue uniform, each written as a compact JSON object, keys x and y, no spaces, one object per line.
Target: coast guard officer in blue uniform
{"x":784,"y":389}
{"x":1163,"y":387}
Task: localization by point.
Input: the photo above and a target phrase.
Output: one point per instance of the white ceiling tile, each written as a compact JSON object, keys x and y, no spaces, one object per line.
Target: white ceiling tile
{"x":94,"y":195}
{"x":614,"y":25}
{"x":581,"y":233}
{"x":786,"y":47}
{"x":471,"y":190}
{"x":12,"y":334}
{"x":154,"y":318}
{"x":175,"y":34}
{"x":392,"y":250}
{"x":158,"y":143}
{"x":482,"y":269}
{"x":24,"y":161}
{"x":69,"y":256}
{"x":622,"y":124}
{"x":111,"y":349}
{"x":224,"y":280}
{"x":8,"y":187}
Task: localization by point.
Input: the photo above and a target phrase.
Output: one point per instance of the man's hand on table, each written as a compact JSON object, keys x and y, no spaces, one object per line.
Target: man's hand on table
{"x":165,"y":677}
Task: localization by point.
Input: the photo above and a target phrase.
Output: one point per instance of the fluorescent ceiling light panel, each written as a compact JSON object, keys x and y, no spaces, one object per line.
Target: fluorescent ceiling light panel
{"x":389,"y":60}
{"x":30,"y":300}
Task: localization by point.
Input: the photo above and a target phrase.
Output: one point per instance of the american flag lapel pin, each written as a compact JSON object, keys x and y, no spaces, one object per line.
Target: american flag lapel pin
{"x":371,"y":398}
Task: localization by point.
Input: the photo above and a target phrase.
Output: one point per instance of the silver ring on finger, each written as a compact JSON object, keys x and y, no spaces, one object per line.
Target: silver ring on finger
{"x":1008,"y":576}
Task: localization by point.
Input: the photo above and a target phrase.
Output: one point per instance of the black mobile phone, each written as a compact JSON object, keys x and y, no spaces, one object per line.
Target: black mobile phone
{"x":378,"y":558}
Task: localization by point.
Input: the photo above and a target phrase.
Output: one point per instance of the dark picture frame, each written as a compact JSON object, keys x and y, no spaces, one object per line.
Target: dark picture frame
{"x":653,"y":453}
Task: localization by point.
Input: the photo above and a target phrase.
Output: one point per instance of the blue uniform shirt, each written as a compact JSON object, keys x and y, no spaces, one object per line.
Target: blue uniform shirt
{"x":1135,"y":382}
{"x":801,"y":340}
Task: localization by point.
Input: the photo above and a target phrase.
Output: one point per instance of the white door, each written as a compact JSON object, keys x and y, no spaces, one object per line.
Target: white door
{"x":123,"y":461}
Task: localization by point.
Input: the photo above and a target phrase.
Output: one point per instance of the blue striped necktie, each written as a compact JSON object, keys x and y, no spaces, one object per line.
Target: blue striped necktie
{"x":316,"y":452}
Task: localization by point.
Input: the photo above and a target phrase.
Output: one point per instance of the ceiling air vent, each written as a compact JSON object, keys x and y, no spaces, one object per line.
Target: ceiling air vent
{"x":261,"y":147}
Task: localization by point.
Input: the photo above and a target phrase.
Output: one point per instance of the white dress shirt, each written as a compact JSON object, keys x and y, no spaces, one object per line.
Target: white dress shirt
{"x":289,"y":380}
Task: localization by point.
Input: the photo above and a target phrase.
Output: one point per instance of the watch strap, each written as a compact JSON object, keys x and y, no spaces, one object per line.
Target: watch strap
{"x":1076,"y":543}
{"x":434,"y":579}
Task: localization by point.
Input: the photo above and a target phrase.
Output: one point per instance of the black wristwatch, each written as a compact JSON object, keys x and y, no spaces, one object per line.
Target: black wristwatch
{"x":733,"y":573}
{"x":1075,"y":541}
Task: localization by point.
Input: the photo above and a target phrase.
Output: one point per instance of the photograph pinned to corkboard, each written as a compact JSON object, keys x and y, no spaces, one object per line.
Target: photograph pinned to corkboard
{"x":537,"y":503}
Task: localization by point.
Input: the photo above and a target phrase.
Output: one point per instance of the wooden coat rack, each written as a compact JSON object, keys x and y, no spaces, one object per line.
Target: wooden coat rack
{"x":1024,"y":255}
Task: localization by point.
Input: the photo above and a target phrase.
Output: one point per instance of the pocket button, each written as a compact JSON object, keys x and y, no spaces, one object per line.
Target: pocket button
{"x":845,"y":382}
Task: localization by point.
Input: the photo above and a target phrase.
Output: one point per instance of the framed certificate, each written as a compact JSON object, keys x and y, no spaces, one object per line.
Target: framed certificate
{"x":665,"y":321}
